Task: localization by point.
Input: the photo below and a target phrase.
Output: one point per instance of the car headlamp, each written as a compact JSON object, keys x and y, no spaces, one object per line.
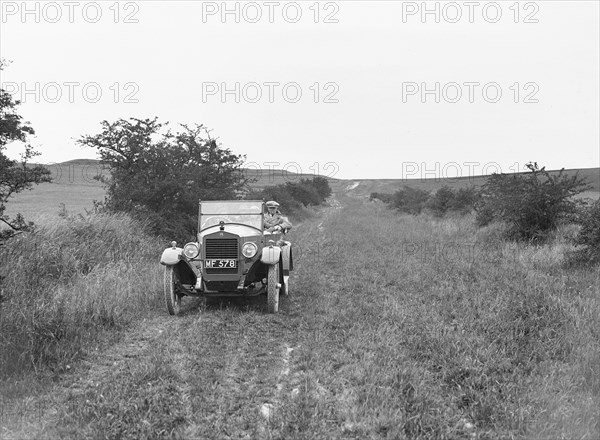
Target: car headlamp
{"x":191,"y":250}
{"x":249,"y":250}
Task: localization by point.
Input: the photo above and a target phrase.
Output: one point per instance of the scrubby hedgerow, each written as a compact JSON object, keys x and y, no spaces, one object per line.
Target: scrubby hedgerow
{"x":304,"y":192}
{"x":292,"y":196}
{"x":68,"y":281}
{"x":279,"y":193}
{"x":322,"y":186}
{"x":531,"y":204}
{"x":444,"y":200}
{"x":159,"y":177}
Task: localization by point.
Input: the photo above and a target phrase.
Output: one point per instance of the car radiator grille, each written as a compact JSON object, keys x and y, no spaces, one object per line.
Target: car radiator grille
{"x":221,"y":248}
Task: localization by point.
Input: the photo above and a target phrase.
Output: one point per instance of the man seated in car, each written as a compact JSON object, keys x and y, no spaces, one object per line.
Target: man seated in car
{"x":274,"y":220}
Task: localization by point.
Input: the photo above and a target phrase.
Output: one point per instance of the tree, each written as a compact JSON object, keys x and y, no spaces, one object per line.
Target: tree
{"x":15,"y":176}
{"x":531,"y":203}
{"x":159,"y":177}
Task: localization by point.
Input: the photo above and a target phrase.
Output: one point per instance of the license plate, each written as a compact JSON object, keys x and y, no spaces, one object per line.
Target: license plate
{"x":221,"y":264}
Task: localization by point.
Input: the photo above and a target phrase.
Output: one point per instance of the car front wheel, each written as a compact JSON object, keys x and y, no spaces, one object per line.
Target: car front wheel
{"x":172,"y":294}
{"x":273,"y":287}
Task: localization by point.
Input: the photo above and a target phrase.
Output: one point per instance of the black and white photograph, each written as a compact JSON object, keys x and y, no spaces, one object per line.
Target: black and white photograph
{"x":300,"y":220}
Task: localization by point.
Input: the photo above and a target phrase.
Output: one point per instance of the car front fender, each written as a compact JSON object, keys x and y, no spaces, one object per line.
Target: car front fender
{"x":270,"y":254}
{"x":170,"y":256}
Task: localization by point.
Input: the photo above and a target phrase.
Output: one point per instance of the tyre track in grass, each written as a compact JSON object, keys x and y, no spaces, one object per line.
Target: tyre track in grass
{"x":300,"y":396}
{"x":318,"y":406}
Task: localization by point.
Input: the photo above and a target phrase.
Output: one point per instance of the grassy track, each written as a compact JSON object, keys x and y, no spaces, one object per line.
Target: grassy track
{"x":396,"y":327}
{"x":403,"y":338}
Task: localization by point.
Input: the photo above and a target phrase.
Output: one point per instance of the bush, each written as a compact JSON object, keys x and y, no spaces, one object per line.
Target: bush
{"x":410,"y":200}
{"x":441,"y":201}
{"x":589,"y":234}
{"x":532,"y":204}
{"x":304,"y":192}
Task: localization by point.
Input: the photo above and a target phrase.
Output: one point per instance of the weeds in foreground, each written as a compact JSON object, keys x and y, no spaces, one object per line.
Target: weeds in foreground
{"x":67,"y":282}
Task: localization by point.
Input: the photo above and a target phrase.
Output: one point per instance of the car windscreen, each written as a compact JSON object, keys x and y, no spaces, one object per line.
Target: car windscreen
{"x":231,"y":207}
{"x":244,"y":212}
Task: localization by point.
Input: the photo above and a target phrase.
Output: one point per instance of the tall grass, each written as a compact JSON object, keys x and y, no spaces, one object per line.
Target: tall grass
{"x":67,"y":282}
{"x":432,"y":328}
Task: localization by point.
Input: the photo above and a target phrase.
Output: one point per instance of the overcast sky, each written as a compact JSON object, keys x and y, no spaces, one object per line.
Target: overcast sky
{"x":351,"y":89}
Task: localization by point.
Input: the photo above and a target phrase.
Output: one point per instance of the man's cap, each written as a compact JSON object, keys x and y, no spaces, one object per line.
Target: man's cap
{"x":272,"y":204}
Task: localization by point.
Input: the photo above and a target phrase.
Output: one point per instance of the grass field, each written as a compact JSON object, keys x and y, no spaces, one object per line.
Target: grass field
{"x":396,"y":327}
{"x":73,"y":189}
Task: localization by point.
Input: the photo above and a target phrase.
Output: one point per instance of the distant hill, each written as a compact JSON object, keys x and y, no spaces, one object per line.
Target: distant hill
{"x":261,"y":178}
{"x":368,"y":186}
{"x":81,"y":162}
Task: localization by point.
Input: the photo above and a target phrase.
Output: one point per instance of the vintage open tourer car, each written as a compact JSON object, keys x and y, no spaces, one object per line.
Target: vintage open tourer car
{"x":233,"y":256}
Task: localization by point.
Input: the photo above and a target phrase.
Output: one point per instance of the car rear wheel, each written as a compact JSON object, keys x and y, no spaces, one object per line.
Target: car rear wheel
{"x":172,"y":291}
{"x":273,"y":287}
